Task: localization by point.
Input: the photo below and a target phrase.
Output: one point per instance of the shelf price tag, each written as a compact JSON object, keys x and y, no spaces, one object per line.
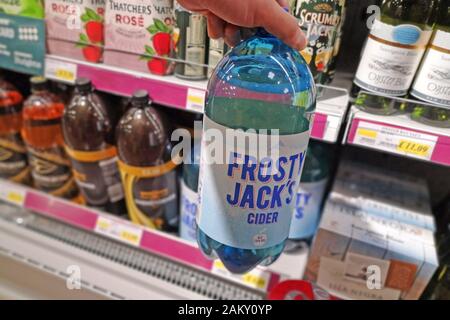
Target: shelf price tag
{"x":257,"y":278}
{"x":60,"y":70}
{"x":119,"y":231}
{"x":195,"y":100}
{"x":397,"y":140}
{"x":12,"y":194}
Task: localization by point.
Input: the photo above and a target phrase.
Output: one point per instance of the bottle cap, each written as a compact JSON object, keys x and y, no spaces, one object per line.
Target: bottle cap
{"x":83,"y":84}
{"x":38,"y":83}
{"x":140,"y":97}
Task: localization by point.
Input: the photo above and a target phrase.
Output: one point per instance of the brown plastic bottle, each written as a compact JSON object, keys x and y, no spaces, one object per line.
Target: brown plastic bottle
{"x":42,"y":134}
{"x":147,"y":170}
{"x":13,"y":155}
{"x":89,"y":137}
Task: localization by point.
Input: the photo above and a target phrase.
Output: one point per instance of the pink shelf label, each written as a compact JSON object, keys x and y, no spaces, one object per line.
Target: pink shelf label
{"x":61,"y":210}
{"x":125,"y":84}
{"x":319,"y":126}
{"x":400,"y":140}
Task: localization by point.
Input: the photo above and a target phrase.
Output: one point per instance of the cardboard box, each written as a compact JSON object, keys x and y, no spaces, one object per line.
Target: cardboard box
{"x":25,"y":8}
{"x":75,"y":29}
{"x":360,"y":255}
{"x":385,"y":193}
{"x":140,"y":35}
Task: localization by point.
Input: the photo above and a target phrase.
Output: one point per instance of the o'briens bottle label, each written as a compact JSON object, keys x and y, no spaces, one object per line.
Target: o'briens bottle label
{"x":247,"y":201}
{"x":391,"y":58}
{"x":307,"y":209}
{"x":433,"y":80}
{"x":188,"y":213}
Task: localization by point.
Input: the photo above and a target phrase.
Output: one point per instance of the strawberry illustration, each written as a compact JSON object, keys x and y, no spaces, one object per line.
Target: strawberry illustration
{"x":94,"y":31}
{"x":157,"y":66}
{"x":92,"y":53}
{"x":91,"y":42}
{"x":162,"y":43}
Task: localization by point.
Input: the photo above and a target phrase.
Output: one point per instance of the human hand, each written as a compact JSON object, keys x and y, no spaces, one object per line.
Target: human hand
{"x":226,"y":16}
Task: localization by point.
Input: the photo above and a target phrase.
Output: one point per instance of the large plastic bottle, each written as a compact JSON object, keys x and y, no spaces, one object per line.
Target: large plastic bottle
{"x":188,"y":193}
{"x":246,"y":204}
{"x":42,"y":134}
{"x":147,"y":170}
{"x":89,"y":136}
{"x":310,"y":194}
{"x":13,"y":155}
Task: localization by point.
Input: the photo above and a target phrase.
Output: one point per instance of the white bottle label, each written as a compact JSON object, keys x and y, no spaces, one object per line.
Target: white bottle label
{"x":188,"y":213}
{"x":433,"y":80}
{"x":307,"y":209}
{"x":247,"y":202}
{"x":391,"y":57}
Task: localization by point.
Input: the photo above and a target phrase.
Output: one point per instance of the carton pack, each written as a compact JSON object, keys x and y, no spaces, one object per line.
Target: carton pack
{"x":361,"y":255}
{"x":139,"y":35}
{"x":75,"y":28}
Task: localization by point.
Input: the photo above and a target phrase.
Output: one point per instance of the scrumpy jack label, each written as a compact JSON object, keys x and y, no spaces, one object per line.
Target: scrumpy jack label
{"x":391,"y":58}
{"x":433,"y":80}
{"x":319,"y":20}
{"x":247,"y":201}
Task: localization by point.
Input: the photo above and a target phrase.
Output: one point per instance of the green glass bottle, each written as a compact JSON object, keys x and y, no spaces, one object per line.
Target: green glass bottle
{"x":432,"y":83}
{"x":392,"y":54}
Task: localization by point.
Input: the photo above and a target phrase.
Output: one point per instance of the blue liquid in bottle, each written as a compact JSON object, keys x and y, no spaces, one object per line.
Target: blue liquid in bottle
{"x":262,"y":84}
{"x":189,"y":195}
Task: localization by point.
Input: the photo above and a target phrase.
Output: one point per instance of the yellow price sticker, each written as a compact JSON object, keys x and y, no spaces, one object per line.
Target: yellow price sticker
{"x":15,"y":197}
{"x":65,"y":75}
{"x":254,"y":280}
{"x":367,"y":133}
{"x":129,"y":237}
{"x":416,"y":148}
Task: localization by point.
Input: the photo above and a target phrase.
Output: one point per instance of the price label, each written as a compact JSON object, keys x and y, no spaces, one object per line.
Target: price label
{"x":12,"y":194}
{"x":416,"y":148}
{"x":397,"y":140}
{"x":257,"y":278}
{"x":60,"y":70}
{"x":118,"y":230}
{"x":195,"y":100}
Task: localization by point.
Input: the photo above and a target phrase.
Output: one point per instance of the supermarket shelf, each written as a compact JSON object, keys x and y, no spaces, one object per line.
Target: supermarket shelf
{"x":398,"y":134}
{"x":65,"y":266}
{"x":157,"y":243}
{"x":183,"y":94}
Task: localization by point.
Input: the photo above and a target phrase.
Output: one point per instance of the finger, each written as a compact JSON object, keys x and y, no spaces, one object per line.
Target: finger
{"x":232,"y":35}
{"x":269,"y":15}
{"x":216,"y":26}
{"x":283,"y":3}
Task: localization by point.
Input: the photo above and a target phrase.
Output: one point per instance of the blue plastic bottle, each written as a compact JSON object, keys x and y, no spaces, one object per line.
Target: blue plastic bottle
{"x":189,"y":195}
{"x":246,"y":204}
{"x":310,"y":195}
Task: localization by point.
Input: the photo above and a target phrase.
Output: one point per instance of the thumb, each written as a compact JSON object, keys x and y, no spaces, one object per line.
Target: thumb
{"x":281,"y":24}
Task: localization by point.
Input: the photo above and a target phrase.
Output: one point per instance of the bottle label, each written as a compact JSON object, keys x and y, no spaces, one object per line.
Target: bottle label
{"x":195,"y":45}
{"x":151,"y":194}
{"x":319,"y":21}
{"x":247,"y":202}
{"x":13,"y":159}
{"x":97,"y":175}
{"x":307,"y":209}
{"x":433,"y":80}
{"x":51,"y":172}
{"x":391,"y":58}
{"x":188,"y":213}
